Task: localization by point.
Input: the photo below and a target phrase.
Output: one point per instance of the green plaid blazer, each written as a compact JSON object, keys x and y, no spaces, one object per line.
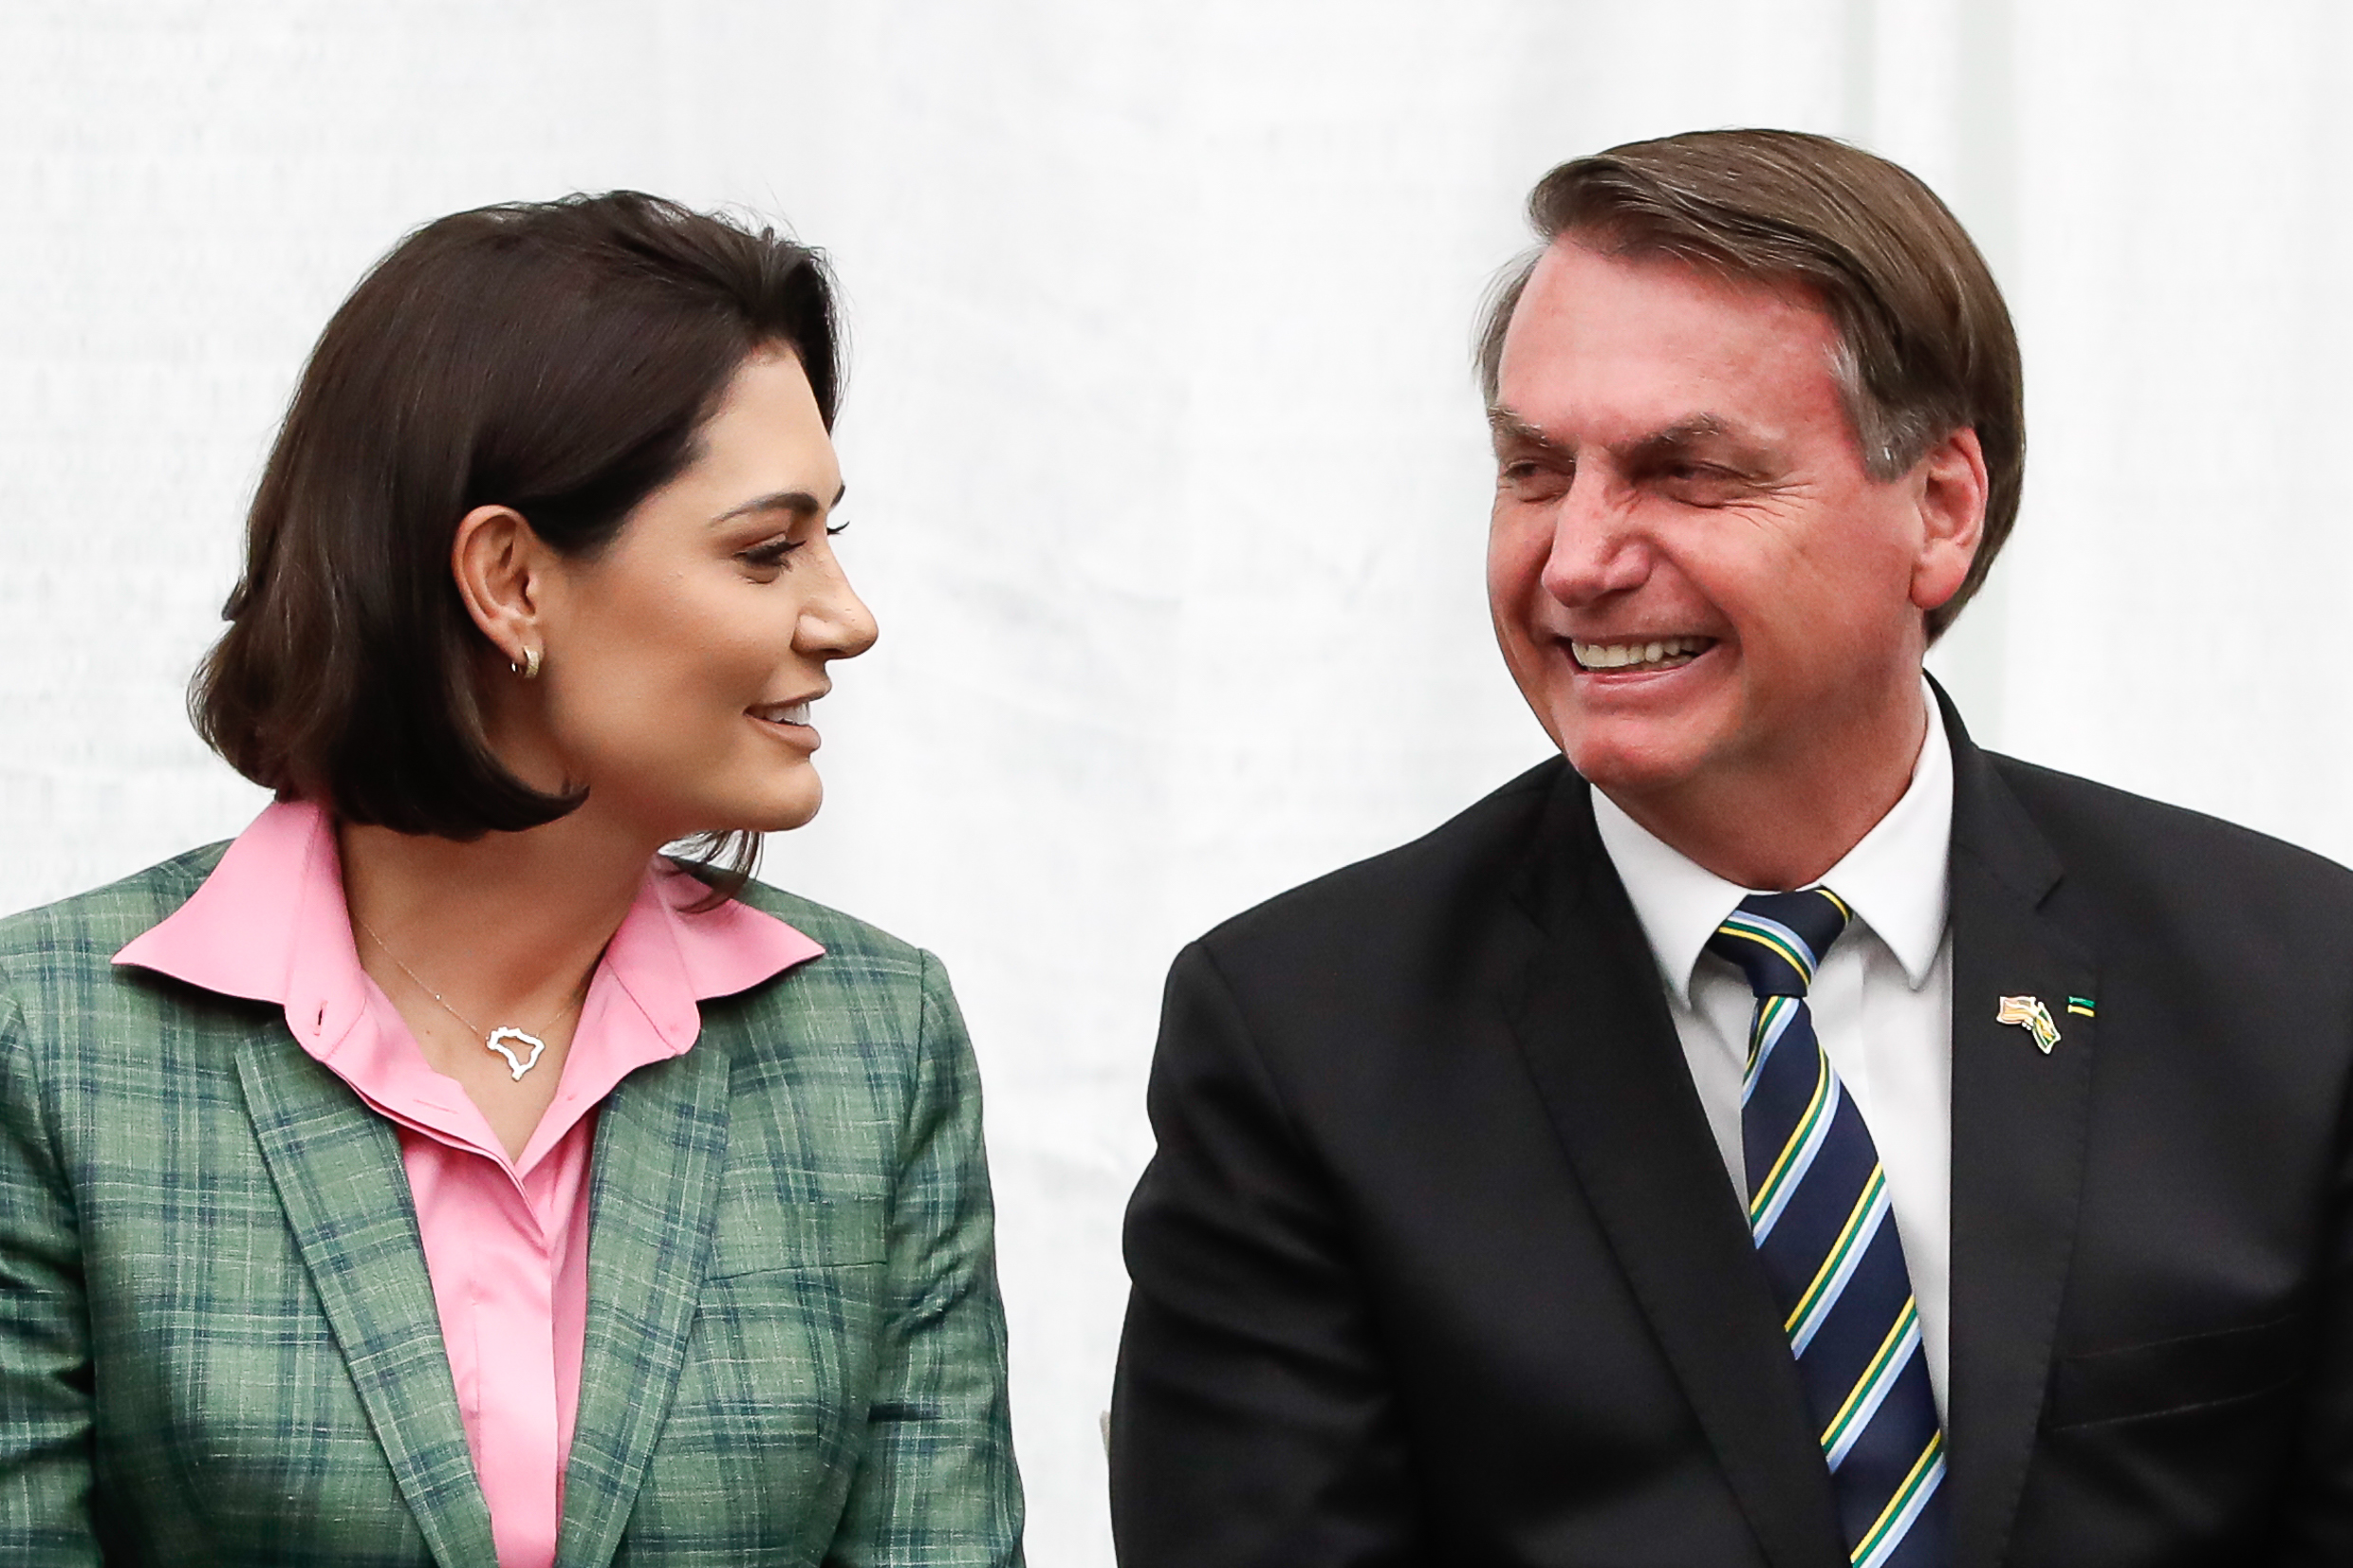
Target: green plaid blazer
{"x":218,"y":1345}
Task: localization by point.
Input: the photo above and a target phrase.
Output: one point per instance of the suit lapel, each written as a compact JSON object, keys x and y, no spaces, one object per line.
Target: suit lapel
{"x":337,"y":1169}
{"x":662,"y":1141}
{"x":1595,"y":1029}
{"x":2018,"y":1139}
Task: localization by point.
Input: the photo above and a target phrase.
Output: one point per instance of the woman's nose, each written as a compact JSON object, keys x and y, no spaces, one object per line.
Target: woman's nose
{"x":835,"y":624}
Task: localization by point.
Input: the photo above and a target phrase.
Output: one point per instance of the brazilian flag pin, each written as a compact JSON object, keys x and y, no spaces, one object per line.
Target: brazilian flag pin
{"x":2030,"y":1014}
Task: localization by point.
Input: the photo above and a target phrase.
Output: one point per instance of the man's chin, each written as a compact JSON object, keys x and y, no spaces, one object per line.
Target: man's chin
{"x":1631,"y":761}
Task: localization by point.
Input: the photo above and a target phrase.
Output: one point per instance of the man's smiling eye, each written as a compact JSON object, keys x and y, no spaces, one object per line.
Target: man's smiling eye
{"x":1702,"y":483}
{"x":1533,"y":482}
{"x":1524,"y":470}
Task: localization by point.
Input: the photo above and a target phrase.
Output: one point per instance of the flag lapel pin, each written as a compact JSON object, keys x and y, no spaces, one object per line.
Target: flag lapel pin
{"x":2030,"y":1014}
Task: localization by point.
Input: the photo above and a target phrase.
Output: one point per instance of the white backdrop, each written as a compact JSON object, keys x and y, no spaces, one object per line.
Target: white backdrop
{"x":1168,"y":472}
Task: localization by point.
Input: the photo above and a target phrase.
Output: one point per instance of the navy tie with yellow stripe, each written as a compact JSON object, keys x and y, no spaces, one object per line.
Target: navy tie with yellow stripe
{"x":1819,"y":1214}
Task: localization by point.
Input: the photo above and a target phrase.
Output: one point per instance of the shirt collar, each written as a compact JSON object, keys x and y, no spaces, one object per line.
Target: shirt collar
{"x":1895,"y":878}
{"x":269,"y":925}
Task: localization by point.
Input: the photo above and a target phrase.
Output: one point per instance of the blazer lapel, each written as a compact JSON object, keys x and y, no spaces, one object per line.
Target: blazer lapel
{"x":2018,"y":1139}
{"x":662,"y":1141}
{"x":337,"y":1168}
{"x":1594,"y":1030}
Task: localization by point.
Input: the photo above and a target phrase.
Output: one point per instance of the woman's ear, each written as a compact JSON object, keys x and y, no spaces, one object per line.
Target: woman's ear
{"x":496,"y":559}
{"x":1952,"y":489}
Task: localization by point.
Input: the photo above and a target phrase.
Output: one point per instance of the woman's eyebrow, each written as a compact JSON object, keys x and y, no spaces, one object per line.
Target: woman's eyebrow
{"x":800,"y":503}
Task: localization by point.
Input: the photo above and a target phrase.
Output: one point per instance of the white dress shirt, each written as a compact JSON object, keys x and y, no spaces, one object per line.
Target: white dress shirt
{"x":1882,"y":1003}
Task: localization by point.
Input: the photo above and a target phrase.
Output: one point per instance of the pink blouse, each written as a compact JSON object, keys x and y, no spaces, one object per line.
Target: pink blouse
{"x":505,"y":1241}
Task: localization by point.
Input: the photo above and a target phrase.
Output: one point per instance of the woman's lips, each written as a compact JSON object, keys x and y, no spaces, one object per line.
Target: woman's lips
{"x":788,"y":722}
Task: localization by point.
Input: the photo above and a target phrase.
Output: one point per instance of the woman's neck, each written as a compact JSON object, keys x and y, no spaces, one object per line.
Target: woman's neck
{"x":510,"y":924}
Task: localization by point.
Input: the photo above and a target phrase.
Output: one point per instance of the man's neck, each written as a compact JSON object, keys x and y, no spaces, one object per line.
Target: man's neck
{"x":1778,"y":827}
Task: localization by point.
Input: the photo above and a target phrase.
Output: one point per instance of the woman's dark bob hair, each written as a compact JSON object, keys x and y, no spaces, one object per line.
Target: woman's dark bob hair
{"x":558,"y":358}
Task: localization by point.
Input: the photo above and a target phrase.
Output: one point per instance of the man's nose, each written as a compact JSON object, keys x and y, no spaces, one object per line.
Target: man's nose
{"x":1597,"y":549}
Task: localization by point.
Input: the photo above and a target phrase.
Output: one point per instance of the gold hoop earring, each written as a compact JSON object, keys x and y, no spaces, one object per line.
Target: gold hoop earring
{"x":529,"y":669}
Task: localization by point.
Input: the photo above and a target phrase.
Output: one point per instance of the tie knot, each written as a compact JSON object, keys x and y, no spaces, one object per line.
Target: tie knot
{"x":1778,"y":939}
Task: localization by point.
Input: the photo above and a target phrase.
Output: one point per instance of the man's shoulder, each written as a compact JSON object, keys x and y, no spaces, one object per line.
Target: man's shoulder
{"x":2113,"y":835}
{"x":2137,"y":877}
{"x":1470,"y":861}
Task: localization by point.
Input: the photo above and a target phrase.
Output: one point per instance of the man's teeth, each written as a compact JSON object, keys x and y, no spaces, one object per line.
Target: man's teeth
{"x":1622,"y":655}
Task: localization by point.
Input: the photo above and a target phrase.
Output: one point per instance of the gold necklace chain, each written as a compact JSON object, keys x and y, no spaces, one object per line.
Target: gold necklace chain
{"x":492,"y":1040}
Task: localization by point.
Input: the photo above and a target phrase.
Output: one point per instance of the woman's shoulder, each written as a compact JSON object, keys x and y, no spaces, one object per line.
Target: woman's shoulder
{"x":867,"y":984}
{"x":90,"y":928}
{"x":849,"y":942}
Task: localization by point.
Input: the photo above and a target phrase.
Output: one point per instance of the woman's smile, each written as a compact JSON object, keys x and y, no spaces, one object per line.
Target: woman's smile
{"x":788,"y":721}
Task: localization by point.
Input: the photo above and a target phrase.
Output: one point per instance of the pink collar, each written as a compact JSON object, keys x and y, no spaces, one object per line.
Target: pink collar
{"x":269,"y":925}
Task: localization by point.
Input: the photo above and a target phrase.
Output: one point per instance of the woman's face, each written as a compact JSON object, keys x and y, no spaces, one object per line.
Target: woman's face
{"x":680,"y":661}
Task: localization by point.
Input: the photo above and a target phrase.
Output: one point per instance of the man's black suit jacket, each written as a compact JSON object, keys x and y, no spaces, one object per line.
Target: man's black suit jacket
{"x":1437,"y":1263}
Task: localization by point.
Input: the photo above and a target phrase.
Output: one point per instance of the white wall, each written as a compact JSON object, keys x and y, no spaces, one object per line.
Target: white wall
{"x":1168,"y":471}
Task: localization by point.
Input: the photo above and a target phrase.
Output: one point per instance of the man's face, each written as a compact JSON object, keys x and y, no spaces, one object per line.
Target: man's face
{"x":1692,"y":576}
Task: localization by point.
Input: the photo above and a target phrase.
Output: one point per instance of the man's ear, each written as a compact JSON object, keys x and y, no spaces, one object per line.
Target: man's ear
{"x":496,"y":559}
{"x":1950,"y":493}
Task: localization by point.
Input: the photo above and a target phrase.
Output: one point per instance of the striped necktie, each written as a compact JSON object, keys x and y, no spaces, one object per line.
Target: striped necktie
{"x":1819,"y":1214}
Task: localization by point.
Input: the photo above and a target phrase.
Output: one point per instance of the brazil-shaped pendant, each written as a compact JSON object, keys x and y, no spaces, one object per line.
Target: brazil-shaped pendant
{"x":515,"y":1065}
